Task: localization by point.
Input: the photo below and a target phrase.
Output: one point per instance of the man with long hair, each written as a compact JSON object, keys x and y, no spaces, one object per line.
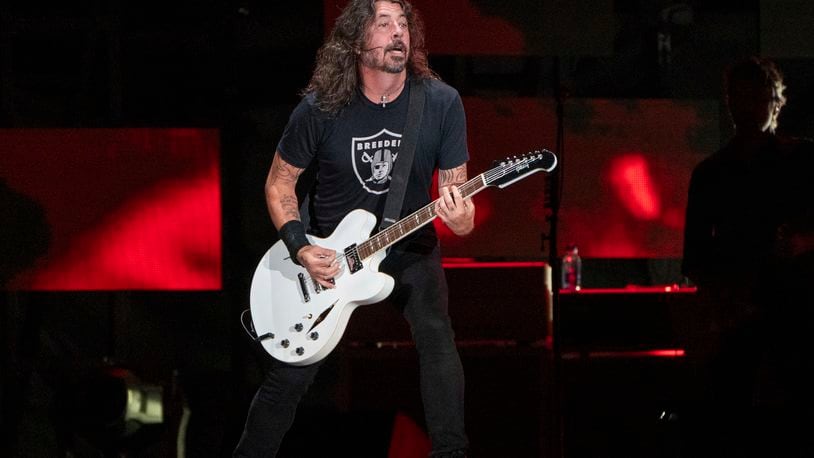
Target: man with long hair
{"x":354,"y":107}
{"x":748,"y":212}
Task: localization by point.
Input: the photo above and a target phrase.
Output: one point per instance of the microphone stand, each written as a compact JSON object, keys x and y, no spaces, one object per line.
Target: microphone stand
{"x":553,"y":196}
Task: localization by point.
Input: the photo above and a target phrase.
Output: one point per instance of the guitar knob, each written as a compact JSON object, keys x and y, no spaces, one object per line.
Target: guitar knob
{"x":314,"y":335}
{"x":298,"y":327}
{"x":285,"y":343}
{"x":299,"y":351}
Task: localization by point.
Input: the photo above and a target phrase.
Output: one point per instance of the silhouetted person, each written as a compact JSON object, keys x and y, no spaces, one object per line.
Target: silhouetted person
{"x":748,"y":213}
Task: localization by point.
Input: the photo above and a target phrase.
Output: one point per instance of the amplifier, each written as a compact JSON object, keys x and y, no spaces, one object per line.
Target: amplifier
{"x":489,"y":302}
{"x":623,"y":318}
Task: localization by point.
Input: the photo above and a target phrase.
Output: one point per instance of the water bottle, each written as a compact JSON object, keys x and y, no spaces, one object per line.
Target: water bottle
{"x":571,"y":269}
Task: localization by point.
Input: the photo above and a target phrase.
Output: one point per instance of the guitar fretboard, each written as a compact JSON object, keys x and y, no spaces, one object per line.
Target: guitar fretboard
{"x":426,"y":214}
{"x":414,"y":221}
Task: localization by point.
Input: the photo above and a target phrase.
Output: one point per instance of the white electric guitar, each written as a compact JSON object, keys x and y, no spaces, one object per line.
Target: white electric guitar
{"x":299,"y":322}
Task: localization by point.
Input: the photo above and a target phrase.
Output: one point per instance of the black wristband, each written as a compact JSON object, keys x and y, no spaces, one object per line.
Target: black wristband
{"x":293,"y":236}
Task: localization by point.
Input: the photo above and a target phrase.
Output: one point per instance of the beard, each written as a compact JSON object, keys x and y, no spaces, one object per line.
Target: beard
{"x":394,"y":65}
{"x":386,"y":63}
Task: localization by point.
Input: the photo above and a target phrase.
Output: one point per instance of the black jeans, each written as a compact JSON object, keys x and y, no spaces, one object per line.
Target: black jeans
{"x":421,"y":292}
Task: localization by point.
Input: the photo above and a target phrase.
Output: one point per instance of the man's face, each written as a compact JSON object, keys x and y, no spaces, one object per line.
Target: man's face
{"x":387,"y":42}
{"x":752,"y":105}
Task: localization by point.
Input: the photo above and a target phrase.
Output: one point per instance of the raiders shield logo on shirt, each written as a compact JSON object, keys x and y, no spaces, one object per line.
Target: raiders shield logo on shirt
{"x":373,"y":160}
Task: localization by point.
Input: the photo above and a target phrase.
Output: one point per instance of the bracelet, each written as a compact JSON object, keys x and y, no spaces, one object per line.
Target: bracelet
{"x":292,"y":234}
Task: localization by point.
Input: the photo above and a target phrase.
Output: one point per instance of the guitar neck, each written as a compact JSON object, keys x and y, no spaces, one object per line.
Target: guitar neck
{"x":502,"y":175}
{"x":414,"y":221}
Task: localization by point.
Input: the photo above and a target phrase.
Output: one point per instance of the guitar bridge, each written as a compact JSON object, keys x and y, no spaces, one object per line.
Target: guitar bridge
{"x":303,"y":287}
{"x":352,"y":258}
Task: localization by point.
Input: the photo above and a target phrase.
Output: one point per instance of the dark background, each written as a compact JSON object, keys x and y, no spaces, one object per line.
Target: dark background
{"x":237,"y":66}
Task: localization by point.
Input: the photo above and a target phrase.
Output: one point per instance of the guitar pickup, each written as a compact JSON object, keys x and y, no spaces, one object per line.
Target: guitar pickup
{"x":352,"y":259}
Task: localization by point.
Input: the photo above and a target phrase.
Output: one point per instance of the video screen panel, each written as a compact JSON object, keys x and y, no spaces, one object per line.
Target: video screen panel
{"x":110,"y":209}
{"x":510,"y":28}
{"x":625,"y":171}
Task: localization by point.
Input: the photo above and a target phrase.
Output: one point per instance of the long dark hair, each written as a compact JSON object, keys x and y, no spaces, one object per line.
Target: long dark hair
{"x":336,"y":76}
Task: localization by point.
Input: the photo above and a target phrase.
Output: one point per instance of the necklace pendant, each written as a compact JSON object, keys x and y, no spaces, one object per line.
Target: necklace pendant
{"x":384,"y":101}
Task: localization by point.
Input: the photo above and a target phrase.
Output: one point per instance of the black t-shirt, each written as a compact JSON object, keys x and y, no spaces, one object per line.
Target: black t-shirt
{"x":356,"y":149}
{"x":736,"y":207}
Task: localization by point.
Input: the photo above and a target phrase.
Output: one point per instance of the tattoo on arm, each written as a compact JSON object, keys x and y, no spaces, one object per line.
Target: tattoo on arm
{"x":281,"y":195}
{"x":449,"y":177}
{"x":290,"y":206}
{"x":283,"y":172}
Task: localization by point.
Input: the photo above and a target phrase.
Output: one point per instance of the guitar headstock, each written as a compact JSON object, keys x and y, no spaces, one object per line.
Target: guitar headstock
{"x":515,"y":168}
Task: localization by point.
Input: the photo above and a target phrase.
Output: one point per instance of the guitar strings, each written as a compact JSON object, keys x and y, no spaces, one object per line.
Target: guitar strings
{"x":467,"y":190}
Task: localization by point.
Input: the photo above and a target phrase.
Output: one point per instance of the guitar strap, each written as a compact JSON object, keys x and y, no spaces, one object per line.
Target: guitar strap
{"x":404,"y":163}
{"x":398,"y":183}
{"x":401,"y":171}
